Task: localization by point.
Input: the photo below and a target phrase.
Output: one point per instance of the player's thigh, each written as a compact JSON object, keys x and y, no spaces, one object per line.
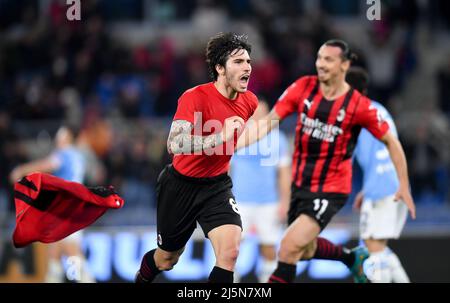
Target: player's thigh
{"x":177,"y":210}
{"x":219,"y":208}
{"x":225,"y":238}
{"x":300,"y":233}
{"x":163,"y":255}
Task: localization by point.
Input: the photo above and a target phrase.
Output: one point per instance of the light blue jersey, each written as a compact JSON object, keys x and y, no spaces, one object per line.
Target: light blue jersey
{"x":254,"y":169}
{"x":380,"y":178}
{"x":71,"y":164}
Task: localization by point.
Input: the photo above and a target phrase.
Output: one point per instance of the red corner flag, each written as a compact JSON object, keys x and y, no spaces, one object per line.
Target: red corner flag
{"x":49,"y":208}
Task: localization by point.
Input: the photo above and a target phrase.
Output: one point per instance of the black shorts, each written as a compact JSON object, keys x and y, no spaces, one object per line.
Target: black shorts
{"x":319,"y":206}
{"x":183,"y":201}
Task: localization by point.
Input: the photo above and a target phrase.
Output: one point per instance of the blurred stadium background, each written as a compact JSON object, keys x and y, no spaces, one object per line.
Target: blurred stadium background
{"x":119,"y":71}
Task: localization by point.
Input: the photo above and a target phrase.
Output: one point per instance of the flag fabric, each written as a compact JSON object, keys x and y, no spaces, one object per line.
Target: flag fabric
{"x":49,"y":208}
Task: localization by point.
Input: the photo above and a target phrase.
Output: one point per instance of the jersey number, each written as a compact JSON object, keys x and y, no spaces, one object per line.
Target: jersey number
{"x":320,"y":206}
{"x":234,"y":206}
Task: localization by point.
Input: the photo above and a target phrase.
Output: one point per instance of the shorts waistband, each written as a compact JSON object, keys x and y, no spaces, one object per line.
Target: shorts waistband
{"x":307,"y":194}
{"x":209,"y":180}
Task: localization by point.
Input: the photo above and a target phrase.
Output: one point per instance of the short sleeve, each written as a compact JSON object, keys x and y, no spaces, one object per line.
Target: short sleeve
{"x":368,"y":117}
{"x":185,"y":108}
{"x":288,"y":101}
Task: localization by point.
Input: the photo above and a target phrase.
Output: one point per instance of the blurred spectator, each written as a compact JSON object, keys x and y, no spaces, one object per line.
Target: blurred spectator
{"x":443,"y":80}
{"x":52,"y":69}
{"x":429,"y":175}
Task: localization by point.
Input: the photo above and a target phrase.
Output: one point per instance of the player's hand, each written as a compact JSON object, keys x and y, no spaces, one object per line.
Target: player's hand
{"x":231,"y":125}
{"x":404,"y":195}
{"x":358,"y":201}
{"x":282,"y":211}
{"x":15,"y":175}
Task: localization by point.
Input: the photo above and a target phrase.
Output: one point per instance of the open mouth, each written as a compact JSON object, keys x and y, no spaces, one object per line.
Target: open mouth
{"x":244,"y":79}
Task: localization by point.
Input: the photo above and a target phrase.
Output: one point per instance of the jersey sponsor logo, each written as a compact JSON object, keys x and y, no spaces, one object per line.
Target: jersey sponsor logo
{"x":319,"y":130}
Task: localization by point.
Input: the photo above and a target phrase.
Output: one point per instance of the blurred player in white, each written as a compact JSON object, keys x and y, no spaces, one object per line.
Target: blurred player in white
{"x":382,"y":218}
{"x":261,"y":183}
{"x":66,"y":162}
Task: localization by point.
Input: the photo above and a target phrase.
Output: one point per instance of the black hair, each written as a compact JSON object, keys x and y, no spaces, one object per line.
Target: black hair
{"x":347,"y":53}
{"x":358,"y":78}
{"x":220,"y":47}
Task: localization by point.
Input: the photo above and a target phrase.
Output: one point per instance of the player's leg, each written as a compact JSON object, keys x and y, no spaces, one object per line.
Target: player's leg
{"x":77,"y":268}
{"x":294,"y":243}
{"x":248,"y":216}
{"x":55,"y":270}
{"x":269,"y":230}
{"x":322,"y":248}
{"x":269,"y":262}
{"x":156,"y":261}
{"x":176,"y":221}
{"x":380,"y":221}
{"x":383,"y":265}
{"x":320,"y":210}
{"x":376,"y":266}
{"x":398,"y":273}
{"x":225,"y":241}
{"x":221,"y":222}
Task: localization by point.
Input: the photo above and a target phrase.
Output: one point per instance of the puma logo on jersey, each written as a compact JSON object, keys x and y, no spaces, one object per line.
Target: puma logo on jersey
{"x":307,"y":103}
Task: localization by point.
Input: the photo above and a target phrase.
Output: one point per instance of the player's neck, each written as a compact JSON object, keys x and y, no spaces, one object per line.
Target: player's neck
{"x":331,"y":90}
{"x":225,"y":90}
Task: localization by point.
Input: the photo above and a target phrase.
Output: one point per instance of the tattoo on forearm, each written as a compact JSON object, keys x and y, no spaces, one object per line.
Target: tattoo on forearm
{"x":181,"y":140}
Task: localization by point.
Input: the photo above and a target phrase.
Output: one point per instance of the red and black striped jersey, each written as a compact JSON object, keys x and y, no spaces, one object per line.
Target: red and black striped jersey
{"x":326,"y":134}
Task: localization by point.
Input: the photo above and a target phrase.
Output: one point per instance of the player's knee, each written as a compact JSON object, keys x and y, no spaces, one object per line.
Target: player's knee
{"x":290,"y":250}
{"x":289,"y":245}
{"x":168,"y":262}
{"x":229,"y":255}
{"x":309,"y":251}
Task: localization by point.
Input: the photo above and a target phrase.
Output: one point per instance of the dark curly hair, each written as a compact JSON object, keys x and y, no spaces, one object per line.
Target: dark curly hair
{"x":220,"y":47}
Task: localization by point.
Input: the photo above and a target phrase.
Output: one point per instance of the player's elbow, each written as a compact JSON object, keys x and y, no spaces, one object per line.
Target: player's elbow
{"x":389,"y":139}
{"x":173,"y":149}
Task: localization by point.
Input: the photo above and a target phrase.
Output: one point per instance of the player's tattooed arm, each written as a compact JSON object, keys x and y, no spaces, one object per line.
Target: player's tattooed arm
{"x":181,"y":140}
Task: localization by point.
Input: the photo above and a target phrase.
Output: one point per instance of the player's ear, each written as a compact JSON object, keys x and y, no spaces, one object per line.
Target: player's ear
{"x":220,"y":70}
{"x":345,"y":66}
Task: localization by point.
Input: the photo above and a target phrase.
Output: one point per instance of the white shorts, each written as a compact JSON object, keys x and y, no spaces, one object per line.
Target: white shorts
{"x":261,"y":219}
{"x":383,"y":219}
